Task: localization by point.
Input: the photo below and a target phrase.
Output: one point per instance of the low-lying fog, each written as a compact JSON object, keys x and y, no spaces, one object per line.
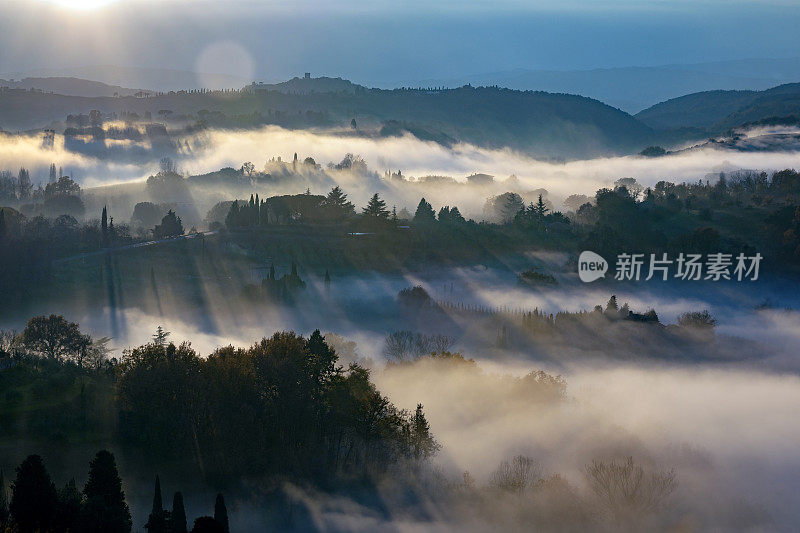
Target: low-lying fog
{"x":728,"y":429}
{"x":215,"y":149}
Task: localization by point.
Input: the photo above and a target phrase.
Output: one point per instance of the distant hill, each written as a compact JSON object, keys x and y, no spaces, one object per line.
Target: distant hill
{"x":308,"y":85}
{"x":697,"y":110}
{"x":633,"y":89}
{"x":154,"y":79}
{"x":69,"y":86}
{"x":718,"y":111}
{"x":538,"y":123}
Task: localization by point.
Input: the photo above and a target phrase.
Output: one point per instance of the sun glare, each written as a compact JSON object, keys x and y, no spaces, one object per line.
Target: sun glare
{"x":82,"y":4}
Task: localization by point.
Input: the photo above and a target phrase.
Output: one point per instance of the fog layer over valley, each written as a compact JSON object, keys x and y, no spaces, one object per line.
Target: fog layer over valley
{"x":717,"y":411}
{"x":428,"y":169}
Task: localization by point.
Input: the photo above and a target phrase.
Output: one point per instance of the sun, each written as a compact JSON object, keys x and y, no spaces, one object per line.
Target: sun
{"x":82,"y":4}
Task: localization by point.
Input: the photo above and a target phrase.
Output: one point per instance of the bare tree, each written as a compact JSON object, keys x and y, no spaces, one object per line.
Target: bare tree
{"x":168,"y":166}
{"x":399,"y":345}
{"x":441,"y":343}
{"x":516,"y":476}
{"x":9,"y":341}
{"x":625,"y":491}
{"x":403,"y":345}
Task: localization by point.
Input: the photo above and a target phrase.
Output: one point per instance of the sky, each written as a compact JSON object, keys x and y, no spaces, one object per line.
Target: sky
{"x":383,"y":42}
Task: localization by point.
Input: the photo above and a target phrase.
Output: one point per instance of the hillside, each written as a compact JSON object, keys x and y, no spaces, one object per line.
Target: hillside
{"x":154,"y":79}
{"x":718,"y":111}
{"x":69,"y":86}
{"x":538,"y":123}
{"x":308,"y":85}
{"x":635,"y":88}
{"x":697,"y":110}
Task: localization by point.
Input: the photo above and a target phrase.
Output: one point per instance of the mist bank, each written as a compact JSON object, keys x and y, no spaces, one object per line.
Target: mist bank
{"x":212,"y":150}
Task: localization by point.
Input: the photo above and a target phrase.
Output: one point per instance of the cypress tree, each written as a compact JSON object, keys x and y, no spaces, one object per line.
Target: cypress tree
{"x":33,"y":497}
{"x":158,"y":505}
{"x":105,"y":510}
{"x":104,"y":223}
{"x":221,"y":513}
{"x":156,"y":522}
{"x":612,"y":306}
{"x":178,"y":516}
{"x":3,"y":502}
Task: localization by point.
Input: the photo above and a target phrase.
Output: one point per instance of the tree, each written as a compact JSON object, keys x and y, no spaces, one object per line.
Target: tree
{"x":540,"y":209}
{"x":170,"y":226}
{"x":54,"y":337}
{"x":3,"y":502}
{"x":64,"y":186}
{"x":376,"y":208}
{"x":516,"y":476}
{"x":628,"y":186}
{"x":697,"y":319}
{"x":221,"y":511}
{"x":95,"y":118}
{"x":106,"y":510}
{"x":104,"y":223}
{"x":653,"y":151}
{"x":157,"y":521}
{"x":503,"y":208}
{"x":177,"y":519}
{"x":423,"y":444}
{"x":425,"y":213}
{"x":248,"y":168}
{"x":167,"y":165}
{"x":53,"y":176}
{"x":207,"y":524}
{"x":337,"y":205}
{"x":573,"y":202}
{"x":68,"y":509}
{"x":24,"y":185}
{"x":160,"y":336}
{"x":146,"y":215}
{"x":625,"y":491}
{"x":33,"y":497}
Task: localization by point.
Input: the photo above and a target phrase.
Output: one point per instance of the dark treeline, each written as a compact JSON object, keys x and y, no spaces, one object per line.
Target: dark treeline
{"x":36,"y":505}
{"x":613,"y":328}
{"x":280,"y":408}
{"x":739,"y":213}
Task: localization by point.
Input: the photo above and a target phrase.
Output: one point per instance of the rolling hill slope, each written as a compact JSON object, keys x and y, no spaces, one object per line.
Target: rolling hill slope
{"x":718,"y":111}
{"x":538,"y":123}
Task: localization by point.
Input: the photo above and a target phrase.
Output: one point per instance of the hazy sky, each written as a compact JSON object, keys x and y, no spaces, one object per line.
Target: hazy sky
{"x":381,"y":41}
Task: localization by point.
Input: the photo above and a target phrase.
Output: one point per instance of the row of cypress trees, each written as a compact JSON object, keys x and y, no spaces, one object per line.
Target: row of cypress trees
{"x":174,"y":521}
{"x":37,"y":506}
